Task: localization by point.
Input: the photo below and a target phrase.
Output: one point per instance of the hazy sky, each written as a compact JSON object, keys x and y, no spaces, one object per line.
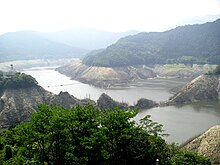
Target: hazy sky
{"x":108,"y":15}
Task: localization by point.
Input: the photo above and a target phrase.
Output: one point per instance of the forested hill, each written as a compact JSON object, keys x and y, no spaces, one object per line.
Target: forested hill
{"x":23,"y":45}
{"x":185,"y":44}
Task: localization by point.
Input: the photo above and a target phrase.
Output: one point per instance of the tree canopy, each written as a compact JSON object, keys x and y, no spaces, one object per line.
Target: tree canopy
{"x":86,"y":135}
{"x":18,"y":80}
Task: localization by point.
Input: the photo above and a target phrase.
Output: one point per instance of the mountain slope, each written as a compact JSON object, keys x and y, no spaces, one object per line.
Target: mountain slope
{"x":32,"y":45}
{"x":20,"y":96}
{"x":17,"y":104}
{"x":87,"y":38}
{"x":105,"y":76}
{"x":202,"y":88}
{"x":207,"y":144}
{"x":185,"y":44}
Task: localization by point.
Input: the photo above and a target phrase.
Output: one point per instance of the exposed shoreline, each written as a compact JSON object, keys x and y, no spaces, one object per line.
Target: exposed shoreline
{"x":105,"y":77}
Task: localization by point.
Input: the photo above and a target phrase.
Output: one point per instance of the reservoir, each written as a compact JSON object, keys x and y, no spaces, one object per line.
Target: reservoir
{"x":180,"y":122}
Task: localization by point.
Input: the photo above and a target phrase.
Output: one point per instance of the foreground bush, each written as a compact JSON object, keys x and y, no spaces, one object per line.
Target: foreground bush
{"x":84,"y":135}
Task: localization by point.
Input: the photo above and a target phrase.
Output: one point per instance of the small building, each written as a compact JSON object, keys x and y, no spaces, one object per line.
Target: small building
{"x":10,"y":73}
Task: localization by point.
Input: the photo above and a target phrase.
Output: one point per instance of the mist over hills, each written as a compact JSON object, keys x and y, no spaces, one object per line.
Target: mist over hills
{"x":75,"y":43}
{"x":184,"y":44}
{"x":198,"y":20}
{"x":87,"y":38}
{"x":32,"y":45}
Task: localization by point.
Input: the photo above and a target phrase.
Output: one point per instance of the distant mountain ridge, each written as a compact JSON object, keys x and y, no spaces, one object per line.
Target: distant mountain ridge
{"x":32,"y":45}
{"x":198,"y":20}
{"x":75,"y":43}
{"x":184,"y":44}
{"x":87,"y":38}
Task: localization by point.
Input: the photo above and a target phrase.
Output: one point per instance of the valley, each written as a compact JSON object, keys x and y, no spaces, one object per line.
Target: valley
{"x":172,"y":76}
{"x":180,"y":121}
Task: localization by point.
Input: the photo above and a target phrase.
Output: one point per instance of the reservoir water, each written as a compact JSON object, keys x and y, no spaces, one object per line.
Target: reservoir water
{"x":181,"y":122}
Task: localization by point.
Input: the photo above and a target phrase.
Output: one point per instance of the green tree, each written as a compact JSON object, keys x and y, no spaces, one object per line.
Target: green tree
{"x":7,"y":152}
{"x":86,"y":135}
{"x":19,"y":80}
{"x":184,"y":157}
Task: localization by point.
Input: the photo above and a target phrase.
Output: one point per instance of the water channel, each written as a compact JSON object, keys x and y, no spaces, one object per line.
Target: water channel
{"x":181,"y":122}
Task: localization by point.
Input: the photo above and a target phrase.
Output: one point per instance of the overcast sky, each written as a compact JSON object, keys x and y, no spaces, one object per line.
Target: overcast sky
{"x":108,"y":15}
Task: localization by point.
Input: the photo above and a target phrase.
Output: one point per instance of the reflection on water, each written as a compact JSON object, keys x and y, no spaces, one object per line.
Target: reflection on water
{"x":181,"y":122}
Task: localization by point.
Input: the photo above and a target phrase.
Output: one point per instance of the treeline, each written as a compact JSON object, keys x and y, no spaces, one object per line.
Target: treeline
{"x":85,"y":135}
{"x":187,"y":44}
{"x":18,"y":80}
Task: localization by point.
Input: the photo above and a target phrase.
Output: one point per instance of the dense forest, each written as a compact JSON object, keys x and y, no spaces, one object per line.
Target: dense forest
{"x":186,"y":44}
{"x":86,"y":135}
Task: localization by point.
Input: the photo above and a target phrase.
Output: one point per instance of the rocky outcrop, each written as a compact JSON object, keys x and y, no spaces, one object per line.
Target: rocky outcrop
{"x":145,"y":104}
{"x":68,"y":101}
{"x":207,"y":144}
{"x":203,"y":88}
{"x":105,"y":76}
{"x":64,"y":99}
{"x":106,"y":101}
{"x":17,"y":105}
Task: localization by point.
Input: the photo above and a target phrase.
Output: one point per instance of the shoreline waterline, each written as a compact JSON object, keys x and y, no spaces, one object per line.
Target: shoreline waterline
{"x":181,"y":122}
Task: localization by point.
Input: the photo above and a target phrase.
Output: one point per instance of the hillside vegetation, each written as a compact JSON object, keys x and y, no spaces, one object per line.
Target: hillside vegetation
{"x":186,"y":44}
{"x":18,"y":80}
